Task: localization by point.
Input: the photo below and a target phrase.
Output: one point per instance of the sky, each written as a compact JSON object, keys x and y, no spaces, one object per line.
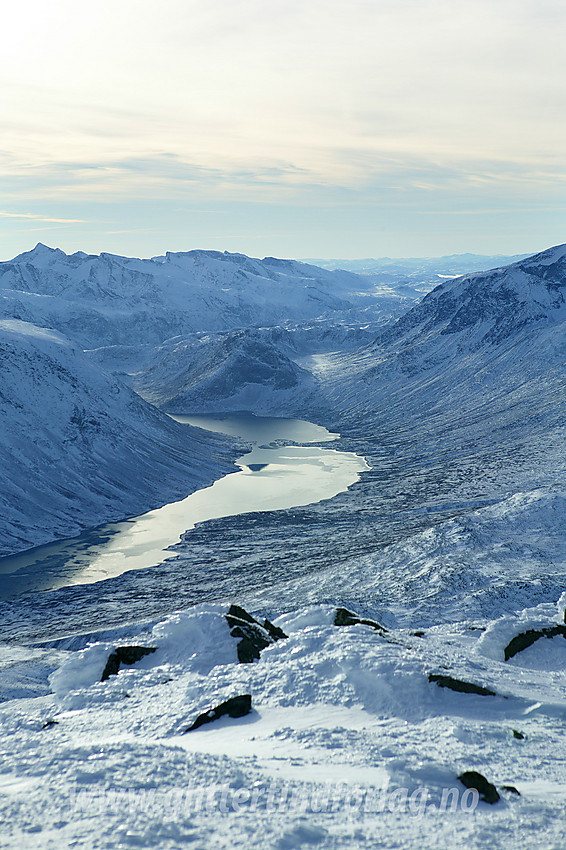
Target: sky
{"x":292,"y":128}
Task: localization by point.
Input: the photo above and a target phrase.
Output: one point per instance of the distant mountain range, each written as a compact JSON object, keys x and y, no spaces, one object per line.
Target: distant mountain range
{"x":416,"y":268}
{"x":105,"y":299}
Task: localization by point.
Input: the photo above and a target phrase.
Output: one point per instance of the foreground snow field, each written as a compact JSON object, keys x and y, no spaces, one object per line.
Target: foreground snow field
{"x":417,"y":626}
{"x":348,"y":742}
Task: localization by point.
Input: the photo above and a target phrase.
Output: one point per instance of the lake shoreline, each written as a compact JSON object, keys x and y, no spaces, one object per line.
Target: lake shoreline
{"x":283,"y":470}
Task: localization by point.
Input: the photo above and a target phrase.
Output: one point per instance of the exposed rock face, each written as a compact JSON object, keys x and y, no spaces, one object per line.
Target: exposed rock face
{"x":234,"y":707}
{"x":459,"y":685}
{"x":344,"y":617}
{"x":254,"y":636}
{"x":275,"y":632}
{"x":124,"y":655}
{"x":472,"y":779}
{"x":526,"y":639}
{"x":220,"y":372}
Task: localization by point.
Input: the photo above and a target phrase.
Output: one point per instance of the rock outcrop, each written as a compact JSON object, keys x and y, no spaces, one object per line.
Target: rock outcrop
{"x":526,"y":639}
{"x":124,"y":656}
{"x":472,"y":779}
{"x":460,"y":686}
{"x":343,"y":617}
{"x":253,"y":635}
{"x":237,"y":706}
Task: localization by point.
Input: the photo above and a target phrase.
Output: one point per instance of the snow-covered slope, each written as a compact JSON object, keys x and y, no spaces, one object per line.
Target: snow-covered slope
{"x":350,"y":742}
{"x":483,"y":339}
{"x":79,"y":448}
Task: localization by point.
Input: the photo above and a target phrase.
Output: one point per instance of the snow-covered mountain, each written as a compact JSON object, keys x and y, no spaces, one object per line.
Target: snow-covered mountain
{"x":501,"y":301}
{"x":464,"y":334}
{"x":110,"y":300}
{"x":79,"y":448}
{"x":472,"y":341}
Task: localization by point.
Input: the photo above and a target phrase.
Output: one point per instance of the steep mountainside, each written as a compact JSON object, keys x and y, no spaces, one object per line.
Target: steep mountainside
{"x":79,"y":448}
{"x":471,"y":341}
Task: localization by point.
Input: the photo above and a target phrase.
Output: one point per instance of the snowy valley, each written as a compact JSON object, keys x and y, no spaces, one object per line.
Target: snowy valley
{"x":387,"y":645}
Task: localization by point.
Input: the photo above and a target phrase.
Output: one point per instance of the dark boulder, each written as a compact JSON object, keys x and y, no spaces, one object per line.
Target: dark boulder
{"x":511,"y":789}
{"x":459,"y":685}
{"x":343,"y":617}
{"x":124,"y":656}
{"x":253,"y":636}
{"x":518,"y":735}
{"x":49,"y":723}
{"x":487,"y":791}
{"x":234,"y":707}
{"x":526,"y":639}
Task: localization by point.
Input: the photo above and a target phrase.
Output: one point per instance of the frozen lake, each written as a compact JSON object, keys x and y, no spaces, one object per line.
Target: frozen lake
{"x":273,"y":476}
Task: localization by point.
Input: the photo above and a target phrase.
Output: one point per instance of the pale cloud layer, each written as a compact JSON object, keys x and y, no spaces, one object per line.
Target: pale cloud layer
{"x":130,"y":117}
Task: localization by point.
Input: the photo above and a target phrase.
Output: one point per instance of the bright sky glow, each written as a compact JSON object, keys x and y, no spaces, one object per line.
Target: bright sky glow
{"x":360,"y":128}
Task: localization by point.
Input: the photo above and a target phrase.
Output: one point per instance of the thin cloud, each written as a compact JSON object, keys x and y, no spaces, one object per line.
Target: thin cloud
{"x":509,"y":210}
{"x":35,"y":217}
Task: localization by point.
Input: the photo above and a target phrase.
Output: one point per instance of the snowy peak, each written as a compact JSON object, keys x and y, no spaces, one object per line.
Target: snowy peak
{"x":39,"y":253}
